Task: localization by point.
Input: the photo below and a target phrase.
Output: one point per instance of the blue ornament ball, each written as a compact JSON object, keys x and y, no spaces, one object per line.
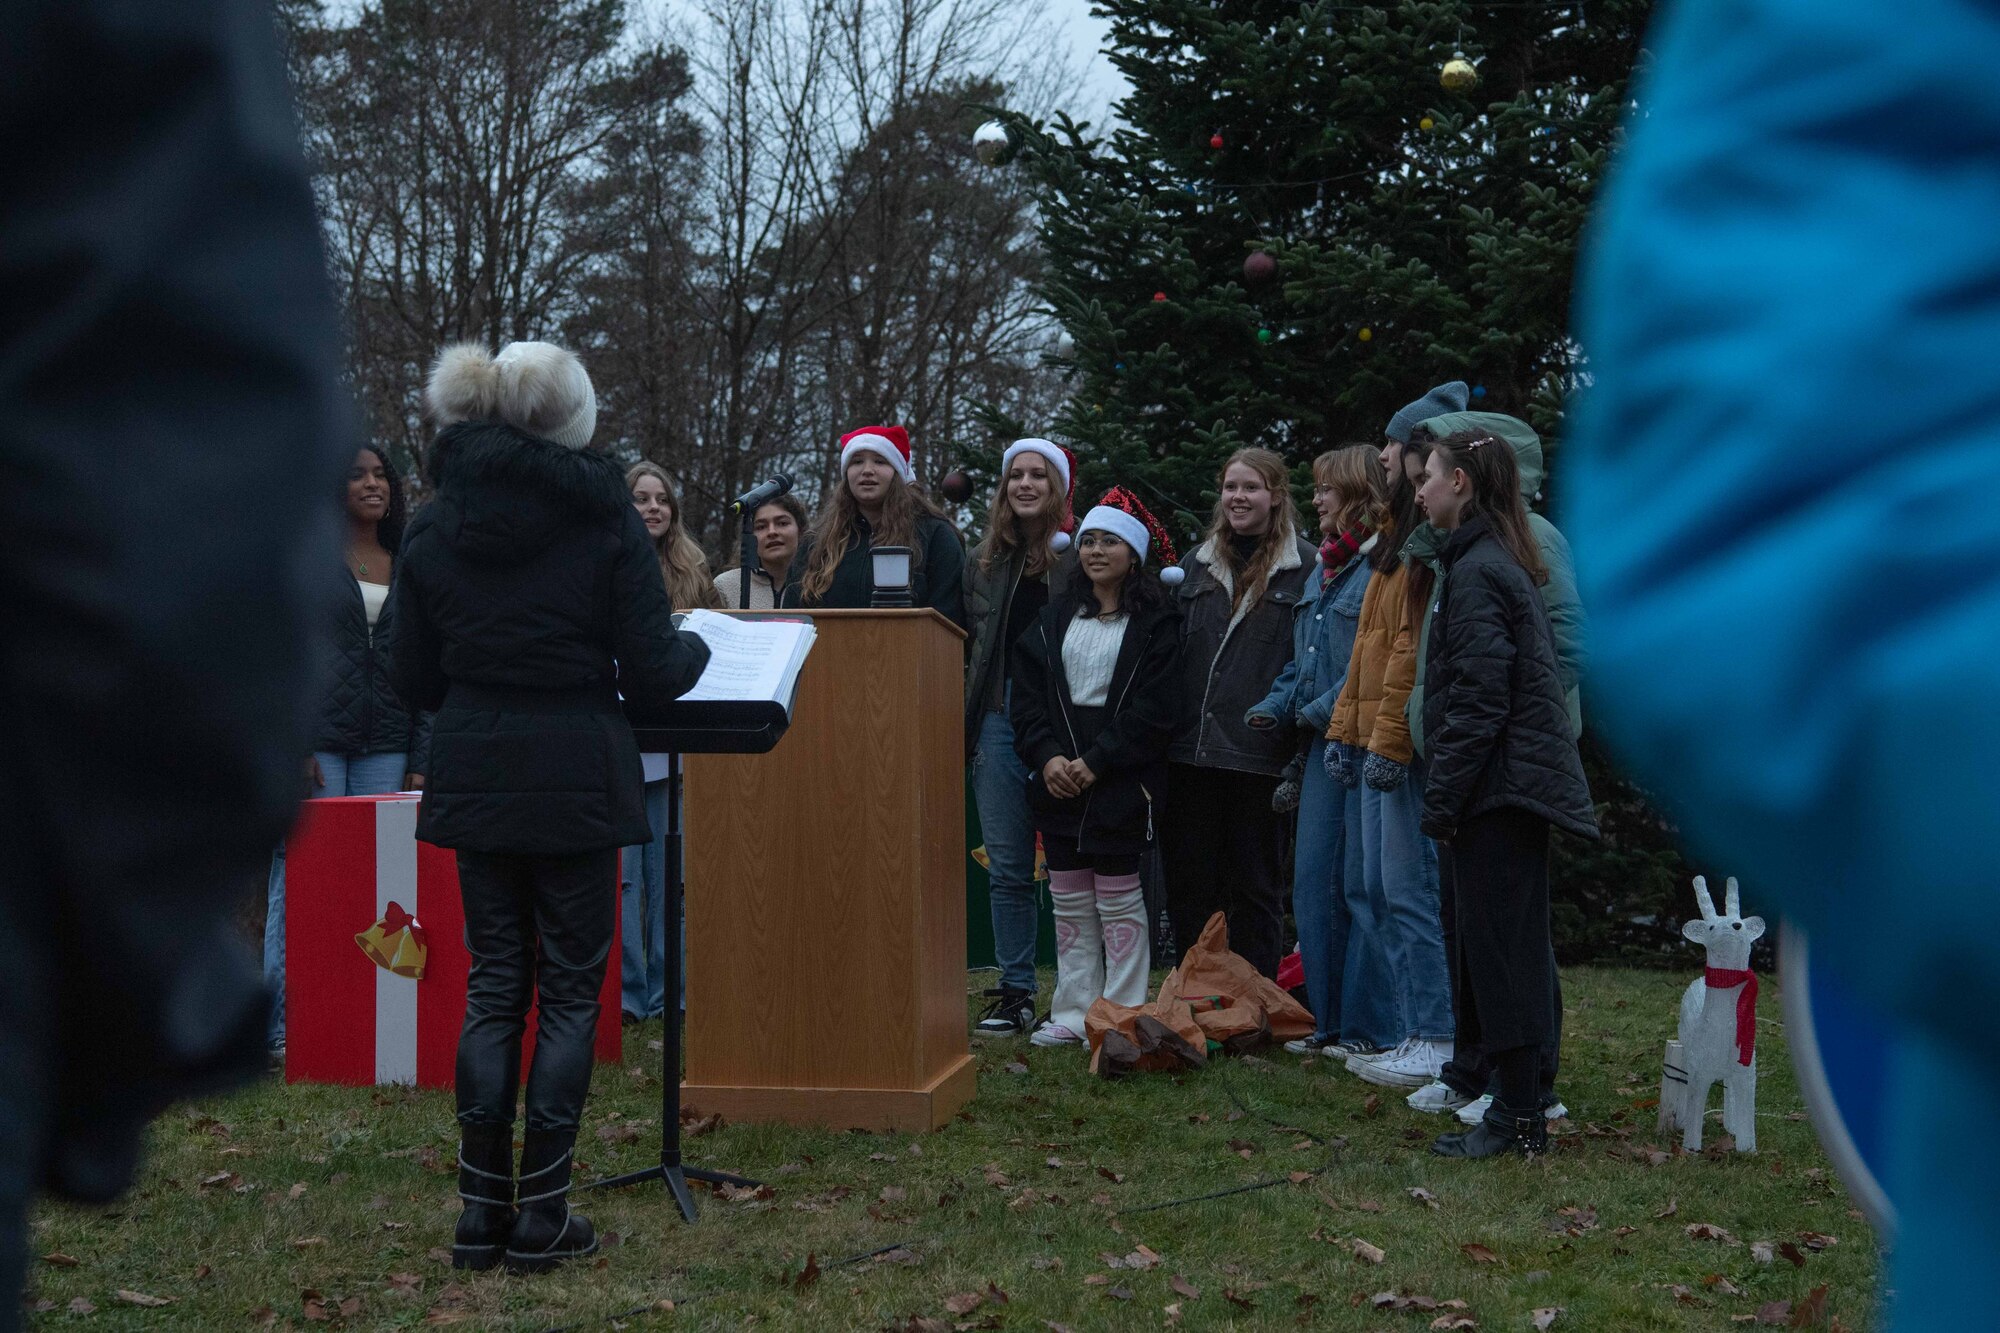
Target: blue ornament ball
{"x":1479,"y":391}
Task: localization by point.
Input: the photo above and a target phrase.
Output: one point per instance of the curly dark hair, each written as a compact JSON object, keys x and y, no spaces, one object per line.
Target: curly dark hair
{"x":1142,"y":591}
{"x":389,"y":531}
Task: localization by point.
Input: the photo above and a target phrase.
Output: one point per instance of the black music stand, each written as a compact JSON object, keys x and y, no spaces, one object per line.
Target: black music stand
{"x":705,"y":727}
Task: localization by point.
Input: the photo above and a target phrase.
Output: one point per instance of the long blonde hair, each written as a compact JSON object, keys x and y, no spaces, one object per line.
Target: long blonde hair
{"x":833,"y":532}
{"x":1255,"y":575}
{"x":1007,"y":532}
{"x":682,"y":564}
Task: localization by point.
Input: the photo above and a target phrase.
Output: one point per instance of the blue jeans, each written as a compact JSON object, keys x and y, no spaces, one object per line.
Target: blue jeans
{"x":1000,"y":791}
{"x":1400,"y":863}
{"x":340,"y":775}
{"x":642,"y":921}
{"x":1348,"y":985}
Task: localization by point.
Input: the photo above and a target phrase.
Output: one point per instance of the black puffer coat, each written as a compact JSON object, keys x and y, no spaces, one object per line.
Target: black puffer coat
{"x":1124,"y":742}
{"x":1496,"y":723}
{"x":528,"y":599}
{"x":360,"y":711}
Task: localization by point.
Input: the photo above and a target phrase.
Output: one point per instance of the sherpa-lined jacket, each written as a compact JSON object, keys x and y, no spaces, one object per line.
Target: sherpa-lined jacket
{"x":1229,"y":660}
{"x":529,"y":598}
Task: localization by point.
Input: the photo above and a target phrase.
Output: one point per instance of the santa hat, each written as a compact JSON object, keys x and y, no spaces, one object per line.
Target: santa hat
{"x":890,"y":443}
{"x":1122,"y":515}
{"x":1064,"y":462}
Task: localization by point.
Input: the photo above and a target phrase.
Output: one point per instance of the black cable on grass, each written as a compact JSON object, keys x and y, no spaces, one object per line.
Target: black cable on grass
{"x":1334,"y":1143}
{"x":704,"y":1295}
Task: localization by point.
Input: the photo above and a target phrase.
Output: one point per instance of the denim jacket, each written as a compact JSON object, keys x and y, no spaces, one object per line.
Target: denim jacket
{"x":1323,"y":628}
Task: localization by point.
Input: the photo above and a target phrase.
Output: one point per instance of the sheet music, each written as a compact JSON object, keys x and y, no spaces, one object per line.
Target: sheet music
{"x":749,"y":660}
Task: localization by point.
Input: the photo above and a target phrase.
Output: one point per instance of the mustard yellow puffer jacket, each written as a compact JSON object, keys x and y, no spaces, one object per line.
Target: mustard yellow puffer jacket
{"x":1380,"y":672}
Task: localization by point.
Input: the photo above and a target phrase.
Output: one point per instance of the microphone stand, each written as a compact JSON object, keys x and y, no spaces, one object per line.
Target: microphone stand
{"x":746,"y":562}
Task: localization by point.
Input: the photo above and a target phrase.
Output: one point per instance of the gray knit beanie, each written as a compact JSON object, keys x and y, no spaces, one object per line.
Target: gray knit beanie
{"x":1445,"y":398}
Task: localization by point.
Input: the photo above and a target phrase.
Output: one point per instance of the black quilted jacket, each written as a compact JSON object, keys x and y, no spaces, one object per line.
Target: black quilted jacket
{"x":360,"y":711}
{"x":1496,"y":721}
{"x":529,"y":598}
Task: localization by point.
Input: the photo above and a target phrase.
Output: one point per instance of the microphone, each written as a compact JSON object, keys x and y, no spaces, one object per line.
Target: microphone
{"x":757,"y":495}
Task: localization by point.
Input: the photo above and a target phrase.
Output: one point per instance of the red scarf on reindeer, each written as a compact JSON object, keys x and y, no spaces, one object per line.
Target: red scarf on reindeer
{"x":1722,"y":978}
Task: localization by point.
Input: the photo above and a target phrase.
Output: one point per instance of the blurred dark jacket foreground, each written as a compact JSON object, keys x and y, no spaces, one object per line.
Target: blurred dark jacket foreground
{"x":170,"y":429}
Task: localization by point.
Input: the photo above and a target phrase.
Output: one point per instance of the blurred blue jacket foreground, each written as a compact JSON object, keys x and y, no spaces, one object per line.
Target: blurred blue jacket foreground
{"x":1782,"y":494}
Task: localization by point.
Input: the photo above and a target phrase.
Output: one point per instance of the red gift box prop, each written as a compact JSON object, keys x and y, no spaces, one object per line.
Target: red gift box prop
{"x":348,"y":1020}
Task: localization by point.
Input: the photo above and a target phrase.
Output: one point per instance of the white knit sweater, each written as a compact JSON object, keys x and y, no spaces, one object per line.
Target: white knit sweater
{"x":1090,"y":655}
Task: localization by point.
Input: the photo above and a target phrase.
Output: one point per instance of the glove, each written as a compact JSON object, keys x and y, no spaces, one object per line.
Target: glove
{"x":1339,"y":760}
{"x":1285,"y":796}
{"x":1384,"y":774}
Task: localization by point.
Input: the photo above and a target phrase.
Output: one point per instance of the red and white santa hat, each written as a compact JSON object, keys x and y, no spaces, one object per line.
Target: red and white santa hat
{"x":1122,"y":515}
{"x":1064,"y":464}
{"x":891,"y":443}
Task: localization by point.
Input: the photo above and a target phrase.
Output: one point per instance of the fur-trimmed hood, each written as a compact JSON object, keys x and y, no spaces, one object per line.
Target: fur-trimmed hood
{"x":503,"y":495}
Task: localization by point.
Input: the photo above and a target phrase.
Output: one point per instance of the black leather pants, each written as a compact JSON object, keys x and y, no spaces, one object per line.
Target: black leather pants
{"x":538,"y":928}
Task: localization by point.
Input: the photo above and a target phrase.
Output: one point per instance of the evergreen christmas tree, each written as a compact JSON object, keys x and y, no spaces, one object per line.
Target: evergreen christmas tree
{"x":1398,"y":232}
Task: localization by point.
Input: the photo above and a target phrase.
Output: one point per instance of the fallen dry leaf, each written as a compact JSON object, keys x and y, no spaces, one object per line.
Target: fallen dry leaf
{"x":1774,"y":1313}
{"x":405,"y":1282}
{"x":1238,"y":1300}
{"x":1423,"y":1196}
{"x":81,"y":1306}
{"x":1673,"y":1206}
{"x":1811,"y":1311}
{"x":1717,"y":1282}
{"x":297,"y":1191}
{"x":1818,"y":1240}
{"x":1365,"y":1252}
{"x":807,"y":1275}
{"x":1709,"y":1231}
{"x":1763,"y":1251}
{"x":140,"y":1298}
{"x":1457,"y":1319}
{"x":1792,"y":1254}
{"x":1142,"y":1257}
{"x":1371,"y":1105}
{"x":1183,"y":1287}
{"x":965,"y":1302}
{"x":1015,"y":1067}
{"x":1110,"y":1175}
{"x":1544,"y":1316}
{"x":1478,"y":1253}
{"x":61,"y":1260}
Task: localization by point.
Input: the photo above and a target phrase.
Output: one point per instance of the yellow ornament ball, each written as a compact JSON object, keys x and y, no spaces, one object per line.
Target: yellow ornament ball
{"x":1366,"y":335}
{"x":1458,"y":75}
{"x":1426,"y":123}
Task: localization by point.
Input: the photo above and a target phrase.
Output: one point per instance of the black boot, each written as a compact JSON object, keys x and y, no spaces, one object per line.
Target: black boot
{"x":486,"y":1185}
{"x":1011,"y":1013}
{"x":1502,"y":1131}
{"x":546,"y":1232}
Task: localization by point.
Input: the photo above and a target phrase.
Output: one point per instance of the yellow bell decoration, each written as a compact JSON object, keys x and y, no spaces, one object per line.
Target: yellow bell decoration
{"x":396,"y":943}
{"x":1458,"y":75}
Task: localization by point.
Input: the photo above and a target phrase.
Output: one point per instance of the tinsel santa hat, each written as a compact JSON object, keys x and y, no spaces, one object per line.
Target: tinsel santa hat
{"x":1064,"y":463}
{"x":889,"y":443}
{"x":1121,"y":514}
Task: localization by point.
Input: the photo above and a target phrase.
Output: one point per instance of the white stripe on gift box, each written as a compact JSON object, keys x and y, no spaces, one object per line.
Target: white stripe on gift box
{"x":395,"y":997}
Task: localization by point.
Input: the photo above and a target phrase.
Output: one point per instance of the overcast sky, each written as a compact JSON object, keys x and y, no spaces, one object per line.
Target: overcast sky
{"x":1102,"y":83}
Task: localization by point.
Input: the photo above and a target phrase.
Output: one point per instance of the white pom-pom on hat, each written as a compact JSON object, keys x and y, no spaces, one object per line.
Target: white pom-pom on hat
{"x":1173,"y":575}
{"x":464,"y":385}
{"x":1060,"y":542}
{"x":534,"y":387}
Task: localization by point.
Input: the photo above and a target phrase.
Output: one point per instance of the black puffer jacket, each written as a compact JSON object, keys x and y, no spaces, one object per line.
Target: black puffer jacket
{"x":360,"y":711}
{"x":1496,"y":723}
{"x":528,"y":600}
{"x":1124,"y":742}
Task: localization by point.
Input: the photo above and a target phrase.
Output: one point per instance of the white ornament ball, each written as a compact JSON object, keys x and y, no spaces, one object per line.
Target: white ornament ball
{"x":1172,"y":575}
{"x":989,"y":141}
{"x":1458,"y":75}
{"x":1065,"y":344}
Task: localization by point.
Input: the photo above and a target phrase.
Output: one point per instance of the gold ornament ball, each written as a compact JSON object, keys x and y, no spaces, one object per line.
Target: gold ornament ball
{"x":1366,"y":335}
{"x":1458,"y":75}
{"x":1426,"y":123}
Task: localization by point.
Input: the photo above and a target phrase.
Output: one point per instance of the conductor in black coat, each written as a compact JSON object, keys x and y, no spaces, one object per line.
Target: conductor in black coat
{"x":528,"y":599}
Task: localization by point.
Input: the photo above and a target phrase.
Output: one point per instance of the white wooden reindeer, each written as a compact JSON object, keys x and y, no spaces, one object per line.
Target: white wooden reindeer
{"x":1718,"y":1029}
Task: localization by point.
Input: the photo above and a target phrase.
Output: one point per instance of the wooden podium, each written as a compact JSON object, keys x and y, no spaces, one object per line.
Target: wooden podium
{"x":826,"y":892}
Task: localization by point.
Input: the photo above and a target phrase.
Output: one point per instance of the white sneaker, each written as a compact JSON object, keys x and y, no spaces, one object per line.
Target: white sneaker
{"x":1358,"y":1059}
{"x":1475,"y":1111}
{"x":1054,"y":1034}
{"x":1416,"y":1062}
{"x":1437,"y":1096}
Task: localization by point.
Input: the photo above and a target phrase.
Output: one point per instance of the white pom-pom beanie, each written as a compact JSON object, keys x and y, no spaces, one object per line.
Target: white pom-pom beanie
{"x":534,"y":387}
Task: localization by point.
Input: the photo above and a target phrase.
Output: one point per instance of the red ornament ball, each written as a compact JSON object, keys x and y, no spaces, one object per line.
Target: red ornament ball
{"x":1259,"y":268}
{"x":1159,"y":296}
{"x":1215,"y":139}
{"x":957,"y":487}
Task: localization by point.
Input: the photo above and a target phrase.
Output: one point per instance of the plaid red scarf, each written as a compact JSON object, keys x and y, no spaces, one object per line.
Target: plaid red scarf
{"x":1336,"y":551}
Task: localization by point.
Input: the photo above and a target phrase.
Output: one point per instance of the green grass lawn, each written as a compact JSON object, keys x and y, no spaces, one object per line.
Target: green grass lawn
{"x":307,"y":1206}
